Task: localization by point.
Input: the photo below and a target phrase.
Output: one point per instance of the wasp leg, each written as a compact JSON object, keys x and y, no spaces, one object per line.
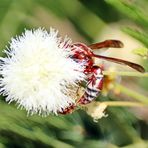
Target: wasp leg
{"x":68,"y":110}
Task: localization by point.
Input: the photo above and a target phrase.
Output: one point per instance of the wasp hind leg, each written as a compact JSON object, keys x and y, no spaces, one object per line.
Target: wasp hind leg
{"x":68,"y":110}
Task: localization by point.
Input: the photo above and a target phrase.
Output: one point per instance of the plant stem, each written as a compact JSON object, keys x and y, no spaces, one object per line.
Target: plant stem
{"x":121,"y":103}
{"x":133,"y":94}
{"x":122,"y":73}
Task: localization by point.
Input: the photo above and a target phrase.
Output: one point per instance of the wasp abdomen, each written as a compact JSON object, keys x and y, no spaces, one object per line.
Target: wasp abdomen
{"x":94,"y":86}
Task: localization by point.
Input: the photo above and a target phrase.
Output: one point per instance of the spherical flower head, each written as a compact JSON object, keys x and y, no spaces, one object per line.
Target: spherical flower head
{"x":39,"y":73}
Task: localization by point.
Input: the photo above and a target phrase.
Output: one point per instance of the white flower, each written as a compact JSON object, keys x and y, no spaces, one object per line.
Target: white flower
{"x":38,"y":72}
{"x":96,"y":111}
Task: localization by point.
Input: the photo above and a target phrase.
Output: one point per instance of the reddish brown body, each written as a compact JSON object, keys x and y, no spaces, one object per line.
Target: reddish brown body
{"x":83,"y":53}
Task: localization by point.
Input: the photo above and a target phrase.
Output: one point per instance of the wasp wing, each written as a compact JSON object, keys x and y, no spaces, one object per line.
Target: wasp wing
{"x":123,"y":62}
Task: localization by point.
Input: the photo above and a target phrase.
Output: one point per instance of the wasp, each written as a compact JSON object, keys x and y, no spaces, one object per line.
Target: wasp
{"x":93,"y":72}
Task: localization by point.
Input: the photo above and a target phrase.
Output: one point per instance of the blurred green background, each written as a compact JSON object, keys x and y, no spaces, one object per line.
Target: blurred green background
{"x":83,"y":21}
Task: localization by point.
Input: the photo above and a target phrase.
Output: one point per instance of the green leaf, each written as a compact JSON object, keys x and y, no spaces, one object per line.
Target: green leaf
{"x":130,"y":10}
{"x":141,"y":36}
{"x":143,"y":52}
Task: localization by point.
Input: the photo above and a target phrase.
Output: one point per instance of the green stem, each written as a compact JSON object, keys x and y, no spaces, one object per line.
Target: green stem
{"x":122,"y":103}
{"x":122,"y":73}
{"x":133,"y":94}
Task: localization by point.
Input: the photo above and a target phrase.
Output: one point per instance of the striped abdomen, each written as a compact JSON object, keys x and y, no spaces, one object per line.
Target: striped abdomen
{"x":93,"y":87}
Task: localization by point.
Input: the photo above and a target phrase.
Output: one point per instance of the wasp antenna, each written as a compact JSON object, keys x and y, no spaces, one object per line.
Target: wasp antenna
{"x":123,"y":62}
{"x":107,"y":44}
